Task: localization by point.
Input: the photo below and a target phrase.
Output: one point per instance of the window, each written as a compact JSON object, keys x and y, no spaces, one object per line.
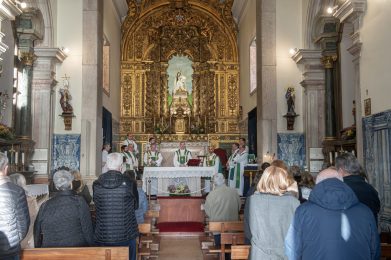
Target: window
{"x":253,"y":66}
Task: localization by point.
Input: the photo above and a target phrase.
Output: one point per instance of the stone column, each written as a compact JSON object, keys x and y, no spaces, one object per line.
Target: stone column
{"x":330,"y":117}
{"x":309,"y":62}
{"x":266,"y":77}
{"x":43,"y":108}
{"x":352,"y":11}
{"x":91,"y":116}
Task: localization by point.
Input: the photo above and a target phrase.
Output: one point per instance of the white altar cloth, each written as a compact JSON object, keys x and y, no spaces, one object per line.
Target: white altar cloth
{"x":171,"y":175}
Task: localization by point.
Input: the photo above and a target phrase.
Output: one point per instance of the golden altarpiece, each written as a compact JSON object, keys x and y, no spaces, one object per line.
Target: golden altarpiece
{"x":180,"y":71}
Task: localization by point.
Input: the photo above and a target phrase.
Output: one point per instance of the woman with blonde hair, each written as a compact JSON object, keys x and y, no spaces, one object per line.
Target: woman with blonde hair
{"x":271,"y":211}
{"x":79,"y":187}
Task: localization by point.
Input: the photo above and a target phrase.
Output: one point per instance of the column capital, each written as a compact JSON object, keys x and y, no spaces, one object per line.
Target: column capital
{"x":328,"y":61}
{"x":28,"y":58}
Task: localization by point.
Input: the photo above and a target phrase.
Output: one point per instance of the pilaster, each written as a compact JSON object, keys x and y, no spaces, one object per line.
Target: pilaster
{"x":43,"y":106}
{"x":309,"y":62}
{"x":352,"y":11}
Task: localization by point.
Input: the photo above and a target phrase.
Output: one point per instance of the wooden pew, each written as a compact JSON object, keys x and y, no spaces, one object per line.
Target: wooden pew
{"x":385,"y":251}
{"x":224,"y":227}
{"x":240,"y":252}
{"x":148,"y":245}
{"x":230,"y":238}
{"x":76,"y":253}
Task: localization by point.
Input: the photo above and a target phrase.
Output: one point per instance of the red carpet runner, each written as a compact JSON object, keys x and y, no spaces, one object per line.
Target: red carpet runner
{"x":180,"y":227}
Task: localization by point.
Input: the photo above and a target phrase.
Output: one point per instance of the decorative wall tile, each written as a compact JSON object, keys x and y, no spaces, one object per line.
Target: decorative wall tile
{"x":66,"y":152}
{"x":291,"y":148}
{"x":377,"y":160}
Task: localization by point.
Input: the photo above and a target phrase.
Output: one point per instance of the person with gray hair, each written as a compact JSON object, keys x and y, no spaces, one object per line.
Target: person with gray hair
{"x":222,"y":204}
{"x":116,"y":203}
{"x":14,"y":214}
{"x":328,"y":174}
{"x":352,"y":172}
{"x":64,"y":220}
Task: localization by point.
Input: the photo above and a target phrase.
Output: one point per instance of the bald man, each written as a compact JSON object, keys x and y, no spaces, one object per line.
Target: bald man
{"x":332,"y":224}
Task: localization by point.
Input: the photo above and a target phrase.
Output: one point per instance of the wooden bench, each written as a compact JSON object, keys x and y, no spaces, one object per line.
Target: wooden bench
{"x":228,"y":239}
{"x":76,"y":253}
{"x":148,"y":245}
{"x":240,"y":252}
{"x":225,"y":227}
{"x":385,"y":251}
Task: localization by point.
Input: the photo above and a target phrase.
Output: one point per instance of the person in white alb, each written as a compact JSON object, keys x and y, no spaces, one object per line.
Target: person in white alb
{"x":130,"y":140}
{"x":242,"y":141}
{"x":153,"y":158}
{"x":105,"y":152}
{"x":236,"y":163}
{"x":181,"y":156}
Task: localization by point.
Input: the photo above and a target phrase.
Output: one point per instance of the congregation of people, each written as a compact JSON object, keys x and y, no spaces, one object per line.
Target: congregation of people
{"x":288,"y":213}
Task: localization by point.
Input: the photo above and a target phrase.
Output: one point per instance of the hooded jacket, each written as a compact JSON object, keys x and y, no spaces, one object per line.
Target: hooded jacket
{"x":115,"y":208}
{"x":14,"y":217}
{"x":333,"y":224}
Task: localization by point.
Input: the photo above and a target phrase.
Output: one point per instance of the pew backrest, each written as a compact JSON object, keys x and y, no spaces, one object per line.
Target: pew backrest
{"x":232,"y":238}
{"x":240,"y":252}
{"x":76,"y":253}
{"x":144,"y":228}
{"x":223,"y":226}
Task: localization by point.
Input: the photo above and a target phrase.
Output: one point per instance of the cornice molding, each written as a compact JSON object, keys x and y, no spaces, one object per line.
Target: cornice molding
{"x":53,"y":53}
{"x":8,"y":9}
{"x":351,"y":10}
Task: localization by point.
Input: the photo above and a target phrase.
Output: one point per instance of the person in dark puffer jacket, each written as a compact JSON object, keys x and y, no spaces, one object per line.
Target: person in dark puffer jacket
{"x":115,"y":204}
{"x":64,"y":220}
{"x":14,"y":214}
{"x":332,"y":224}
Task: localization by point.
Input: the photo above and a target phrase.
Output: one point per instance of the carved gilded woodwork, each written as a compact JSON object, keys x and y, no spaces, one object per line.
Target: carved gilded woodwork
{"x":156,"y":30}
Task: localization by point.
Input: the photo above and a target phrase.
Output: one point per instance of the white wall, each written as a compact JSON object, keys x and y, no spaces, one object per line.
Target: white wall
{"x":246,"y":35}
{"x":69,"y":34}
{"x":112,"y":30}
{"x":288,"y":35}
{"x":375,"y":60}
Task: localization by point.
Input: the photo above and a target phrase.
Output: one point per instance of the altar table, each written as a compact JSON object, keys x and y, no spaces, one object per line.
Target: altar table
{"x":157,"y":179}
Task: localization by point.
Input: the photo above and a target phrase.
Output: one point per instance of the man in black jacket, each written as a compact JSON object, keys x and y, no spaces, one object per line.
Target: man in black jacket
{"x":14,"y":214}
{"x":65,"y":219}
{"x":353,"y":175}
{"x":115,"y":204}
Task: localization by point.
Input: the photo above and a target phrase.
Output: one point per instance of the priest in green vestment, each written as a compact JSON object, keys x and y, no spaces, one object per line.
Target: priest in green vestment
{"x":181,"y":156}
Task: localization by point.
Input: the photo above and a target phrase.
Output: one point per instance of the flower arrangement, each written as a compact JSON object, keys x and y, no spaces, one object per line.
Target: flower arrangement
{"x":6,"y":132}
{"x":179,"y":189}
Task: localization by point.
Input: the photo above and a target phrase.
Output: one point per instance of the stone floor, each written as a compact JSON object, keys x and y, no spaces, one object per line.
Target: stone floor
{"x":177,"y":248}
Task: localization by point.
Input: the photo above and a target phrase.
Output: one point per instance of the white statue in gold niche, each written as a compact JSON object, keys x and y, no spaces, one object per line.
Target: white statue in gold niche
{"x":180,"y":85}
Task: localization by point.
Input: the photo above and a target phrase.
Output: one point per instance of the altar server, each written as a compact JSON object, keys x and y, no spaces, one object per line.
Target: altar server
{"x":153,"y":158}
{"x":212,"y":160}
{"x":181,"y":156}
{"x":130,"y":140}
{"x":237,"y":161}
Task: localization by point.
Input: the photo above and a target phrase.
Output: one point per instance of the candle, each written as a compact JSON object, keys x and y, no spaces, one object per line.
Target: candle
{"x":5,"y":153}
{"x":331,"y":157}
{"x":23,"y":162}
{"x":353,"y":153}
{"x":16,"y":157}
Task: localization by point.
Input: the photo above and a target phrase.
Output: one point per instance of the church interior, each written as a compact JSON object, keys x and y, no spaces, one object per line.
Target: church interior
{"x":301,"y":81}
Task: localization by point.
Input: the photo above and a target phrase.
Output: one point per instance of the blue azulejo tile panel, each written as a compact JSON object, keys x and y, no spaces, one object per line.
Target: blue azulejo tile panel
{"x":66,"y":152}
{"x":291,"y":148}
{"x":377,"y":159}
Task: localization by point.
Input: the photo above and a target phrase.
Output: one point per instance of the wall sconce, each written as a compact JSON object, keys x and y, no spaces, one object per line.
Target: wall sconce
{"x":292,"y":51}
{"x":65,"y":50}
{"x":331,"y":9}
